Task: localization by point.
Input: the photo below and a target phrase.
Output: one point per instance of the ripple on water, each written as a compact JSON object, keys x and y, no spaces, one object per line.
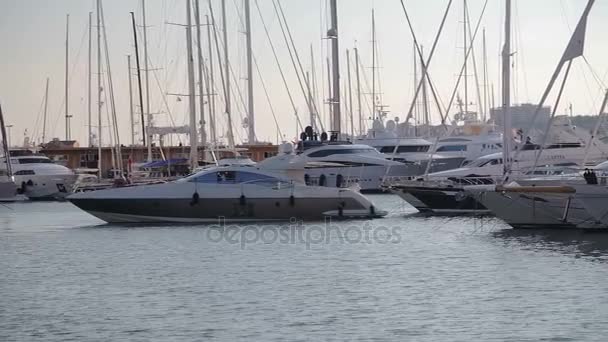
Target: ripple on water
{"x":445,"y":279}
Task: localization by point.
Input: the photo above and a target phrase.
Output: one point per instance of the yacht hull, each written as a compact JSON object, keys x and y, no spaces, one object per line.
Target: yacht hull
{"x":440,"y":200}
{"x":536,"y":210}
{"x":46,"y":187}
{"x":224,"y":209}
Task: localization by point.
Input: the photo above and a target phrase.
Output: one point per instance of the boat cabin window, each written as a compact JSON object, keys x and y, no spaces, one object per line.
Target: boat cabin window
{"x":233,"y":177}
{"x":492,"y":162}
{"x":404,"y":149}
{"x":24,"y":173}
{"x":452,"y":148}
{"x":326,"y":153}
{"x":34,"y":161}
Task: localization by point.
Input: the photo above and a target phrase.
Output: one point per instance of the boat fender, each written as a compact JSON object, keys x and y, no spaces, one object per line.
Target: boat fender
{"x":195,"y":198}
{"x":341,"y":209}
{"x":372,"y":210}
{"x":292,"y":201}
{"x":242,"y":200}
{"x":30,"y":183}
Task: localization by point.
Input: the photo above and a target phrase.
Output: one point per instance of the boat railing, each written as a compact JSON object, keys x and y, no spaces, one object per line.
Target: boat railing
{"x":270,"y":183}
{"x":392,"y":182}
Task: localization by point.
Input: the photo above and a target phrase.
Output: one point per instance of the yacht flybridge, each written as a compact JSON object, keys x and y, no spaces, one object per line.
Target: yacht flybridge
{"x":236,"y":193}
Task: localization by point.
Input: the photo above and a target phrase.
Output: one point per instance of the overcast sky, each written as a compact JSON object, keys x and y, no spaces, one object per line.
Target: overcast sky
{"x":33,"y":37}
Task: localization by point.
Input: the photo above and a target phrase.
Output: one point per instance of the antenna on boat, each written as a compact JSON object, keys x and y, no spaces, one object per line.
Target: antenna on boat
{"x":67,"y":56}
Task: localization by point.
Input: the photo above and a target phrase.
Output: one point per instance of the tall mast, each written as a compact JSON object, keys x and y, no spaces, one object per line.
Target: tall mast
{"x":315,"y":94}
{"x":210,"y":82}
{"x":89,"y":82}
{"x":359,"y":109}
{"x":335,"y":55}
{"x":141,"y":99}
{"x":309,"y":95}
{"x":350,"y":95}
{"x":46,"y":106}
{"x":99,"y":89}
{"x":227,"y":75}
{"x":466,"y":83}
{"x":425,"y":99}
{"x":191,"y":91}
{"x":201,"y":66}
{"x":373,"y":66}
{"x":132,"y":119}
{"x":148,"y":114}
{"x":251,"y":116}
{"x":485,"y":77}
{"x":415,"y":107}
{"x":67,"y":55}
{"x":506,"y":90}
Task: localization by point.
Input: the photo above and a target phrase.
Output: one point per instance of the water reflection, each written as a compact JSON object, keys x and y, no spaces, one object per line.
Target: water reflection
{"x":577,"y":243}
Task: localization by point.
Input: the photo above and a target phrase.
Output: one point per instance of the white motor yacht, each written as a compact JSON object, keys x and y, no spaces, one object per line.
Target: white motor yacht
{"x":233,"y":193}
{"x":38,"y":178}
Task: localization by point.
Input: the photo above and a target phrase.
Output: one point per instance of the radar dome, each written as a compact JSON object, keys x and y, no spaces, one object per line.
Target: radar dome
{"x":391,"y":125}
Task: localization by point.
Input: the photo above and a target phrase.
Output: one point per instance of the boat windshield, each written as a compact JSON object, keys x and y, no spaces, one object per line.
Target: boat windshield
{"x":34,"y":161}
{"x":233,"y":177}
{"x":331,"y":152}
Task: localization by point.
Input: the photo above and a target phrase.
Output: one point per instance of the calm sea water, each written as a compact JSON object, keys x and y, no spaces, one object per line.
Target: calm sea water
{"x":66,"y":276}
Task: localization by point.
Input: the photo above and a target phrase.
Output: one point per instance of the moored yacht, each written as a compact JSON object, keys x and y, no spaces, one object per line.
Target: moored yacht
{"x":38,"y":178}
{"x":234,"y":193}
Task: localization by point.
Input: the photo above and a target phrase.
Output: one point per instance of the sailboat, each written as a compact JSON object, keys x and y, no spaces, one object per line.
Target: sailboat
{"x":560,"y":204}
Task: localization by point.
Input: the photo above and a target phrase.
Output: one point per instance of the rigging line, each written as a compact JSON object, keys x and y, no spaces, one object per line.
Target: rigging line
{"x":520,"y":50}
{"x":240,"y":16}
{"x":40,"y":108}
{"x":257,"y":67}
{"x":76,"y":61}
{"x":426,"y":64}
{"x":479,"y":102}
{"x":276,"y":58}
{"x":299,"y":72}
{"x":550,"y":123}
{"x":595,"y":75}
{"x":367,"y":87}
{"x":466,"y":57}
{"x":302,"y":72}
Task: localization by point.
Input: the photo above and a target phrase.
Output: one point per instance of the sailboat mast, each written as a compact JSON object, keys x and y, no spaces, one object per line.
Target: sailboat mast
{"x":227,"y":75}
{"x":201,"y":66}
{"x":144,"y":132}
{"x":148,"y":114}
{"x":46,"y":106}
{"x":506,"y":90}
{"x":251,"y":116}
{"x":99,"y":89}
{"x":335,"y":54}
{"x":359,"y":109}
{"x":67,"y":56}
{"x":373,"y":65}
{"x":191,"y":91}
{"x":90,"y":130}
{"x":132,"y":119}
{"x":211,"y":85}
{"x":485,"y":78}
{"x":350,"y":96}
{"x":465,"y":75}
